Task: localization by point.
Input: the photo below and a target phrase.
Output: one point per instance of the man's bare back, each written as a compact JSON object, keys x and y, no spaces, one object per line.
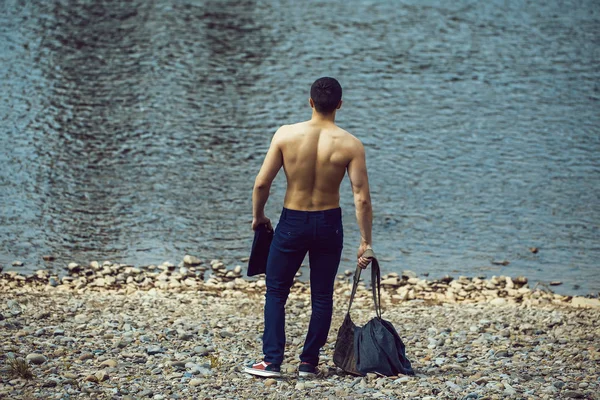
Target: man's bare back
{"x":315,"y":156}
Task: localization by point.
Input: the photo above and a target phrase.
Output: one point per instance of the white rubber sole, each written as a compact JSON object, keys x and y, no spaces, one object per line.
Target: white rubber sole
{"x":306,"y":374}
{"x":259,"y":372}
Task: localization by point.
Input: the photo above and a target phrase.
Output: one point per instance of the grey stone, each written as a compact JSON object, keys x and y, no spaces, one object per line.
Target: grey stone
{"x":191,"y":260}
{"x":146,"y":393}
{"x":195,"y":382}
{"x":178,"y":365}
{"x":14,"y":307}
{"x":558,"y":384}
{"x":226,"y":334}
{"x":408,"y":274}
{"x":50,"y":383}
{"x":86,"y":356}
{"x":573,"y":394}
{"x":36,"y":358}
{"x":152,"y":350}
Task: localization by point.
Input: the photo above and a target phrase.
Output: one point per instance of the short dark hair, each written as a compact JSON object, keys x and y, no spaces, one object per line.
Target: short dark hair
{"x":326,"y":94}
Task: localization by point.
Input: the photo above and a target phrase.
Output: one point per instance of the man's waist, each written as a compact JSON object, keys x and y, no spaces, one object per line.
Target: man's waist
{"x":326,"y":213}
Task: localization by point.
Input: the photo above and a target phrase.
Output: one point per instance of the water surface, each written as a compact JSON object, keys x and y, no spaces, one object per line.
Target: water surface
{"x":132,"y":130}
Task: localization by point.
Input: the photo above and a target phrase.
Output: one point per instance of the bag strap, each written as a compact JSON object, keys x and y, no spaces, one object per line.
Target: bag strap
{"x":375,"y":282}
{"x":376,"y":285}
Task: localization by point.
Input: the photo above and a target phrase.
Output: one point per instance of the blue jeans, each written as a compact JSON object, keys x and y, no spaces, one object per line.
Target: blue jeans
{"x":320,"y":234}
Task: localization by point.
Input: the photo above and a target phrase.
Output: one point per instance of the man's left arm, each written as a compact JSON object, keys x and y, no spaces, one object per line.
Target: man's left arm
{"x":262,"y":184}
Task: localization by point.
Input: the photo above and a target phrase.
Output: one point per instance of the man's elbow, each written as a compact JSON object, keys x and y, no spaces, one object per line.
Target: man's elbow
{"x":363,"y":203}
{"x":261,"y":185}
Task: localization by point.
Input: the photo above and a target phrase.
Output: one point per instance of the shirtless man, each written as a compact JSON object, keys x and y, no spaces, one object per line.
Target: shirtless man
{"x":315,"y":156}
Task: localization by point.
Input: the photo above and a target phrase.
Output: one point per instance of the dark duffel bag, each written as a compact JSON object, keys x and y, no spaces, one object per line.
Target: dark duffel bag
{"x":375,"y":347}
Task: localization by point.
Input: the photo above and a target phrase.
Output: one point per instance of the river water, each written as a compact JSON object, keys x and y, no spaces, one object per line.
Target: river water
{"x":132,"y":130}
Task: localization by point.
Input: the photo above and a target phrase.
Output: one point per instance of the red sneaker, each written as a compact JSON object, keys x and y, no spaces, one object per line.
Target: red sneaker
{"x":265,"y":369}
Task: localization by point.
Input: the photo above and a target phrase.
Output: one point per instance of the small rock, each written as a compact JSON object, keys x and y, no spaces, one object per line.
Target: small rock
{"x":48,"y":258}
{"x":195,"y":382}
{"x":407,"y":274}
{"x":578,"y":301}
{"x":151,"y":350}
{"x":270,"y":382}
{"x":50,"y":383}
{"x":300,"y":386}
{"x":110,"y":363}
{"x":520,"y":280}
{"x":555,"y":283}
{"x":191,"y":260}
{"x":101,"y":375}
{"x":499,"y":301}
{"x":74,"y":268}
{"x":91,"y":378}
{"x":573,"y":394}
{"x":178,"y":365}
{"x":17,"y":263}
{"x":558,"y":384}
{"x":14,"y":307}
{"x":36,"y":358}
{"x":226,"y":334}
{"x":453,"y":386}
{"x":85,"y":356}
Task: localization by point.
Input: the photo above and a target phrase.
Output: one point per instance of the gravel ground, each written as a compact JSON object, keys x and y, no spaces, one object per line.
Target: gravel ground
{"x":190,"y":342}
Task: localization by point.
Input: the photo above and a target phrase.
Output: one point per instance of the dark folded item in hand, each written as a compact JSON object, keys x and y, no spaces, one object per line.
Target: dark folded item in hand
{"x":263,"y":237}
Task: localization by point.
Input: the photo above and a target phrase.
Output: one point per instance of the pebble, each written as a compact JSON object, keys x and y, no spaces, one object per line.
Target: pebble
{"x":498,"y":301}
{"x":14,"y":307}
{"x":195,"y":382}
{"x":191,"y":260}
{"x":152,"y":350}
{"x":110,"y":363}
{"x":36,"y":358}
{"x":573,"y":394}
{"x":86,"y":356}
{"x":270,"y":382}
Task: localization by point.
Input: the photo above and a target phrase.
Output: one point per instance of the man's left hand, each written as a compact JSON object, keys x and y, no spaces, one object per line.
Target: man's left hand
{"x":256,"y":222}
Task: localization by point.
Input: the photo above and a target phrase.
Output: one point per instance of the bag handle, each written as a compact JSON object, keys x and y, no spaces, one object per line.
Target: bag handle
{"x":375,"y":282}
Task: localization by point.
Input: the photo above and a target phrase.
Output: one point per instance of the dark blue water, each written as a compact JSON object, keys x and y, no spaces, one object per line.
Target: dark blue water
{"x":132,"y":131}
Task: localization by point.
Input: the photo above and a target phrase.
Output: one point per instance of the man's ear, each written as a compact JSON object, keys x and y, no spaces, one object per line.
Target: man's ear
{"x":311,"y":102}
{"x":339,"y":105}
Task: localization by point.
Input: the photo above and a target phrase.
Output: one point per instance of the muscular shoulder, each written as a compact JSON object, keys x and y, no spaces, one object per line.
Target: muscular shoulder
{"x":285,"y":131}
{"x":352,"y":142}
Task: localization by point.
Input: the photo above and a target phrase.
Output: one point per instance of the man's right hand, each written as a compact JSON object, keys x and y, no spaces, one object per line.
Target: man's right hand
{"x":258,"y":221}
{"x":363,"y":262}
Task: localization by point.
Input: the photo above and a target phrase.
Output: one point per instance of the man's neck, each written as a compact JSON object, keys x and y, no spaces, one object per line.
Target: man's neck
{"x":318,"y":117}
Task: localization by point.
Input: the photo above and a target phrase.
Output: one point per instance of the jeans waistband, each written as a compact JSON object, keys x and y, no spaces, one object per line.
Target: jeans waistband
{"x":331,"y":214}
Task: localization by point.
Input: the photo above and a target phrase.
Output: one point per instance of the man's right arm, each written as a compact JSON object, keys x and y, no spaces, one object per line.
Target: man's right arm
{"x":357,"y":172}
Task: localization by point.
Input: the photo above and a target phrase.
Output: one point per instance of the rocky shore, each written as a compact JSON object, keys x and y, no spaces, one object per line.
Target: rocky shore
{"x":184,"y":331}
